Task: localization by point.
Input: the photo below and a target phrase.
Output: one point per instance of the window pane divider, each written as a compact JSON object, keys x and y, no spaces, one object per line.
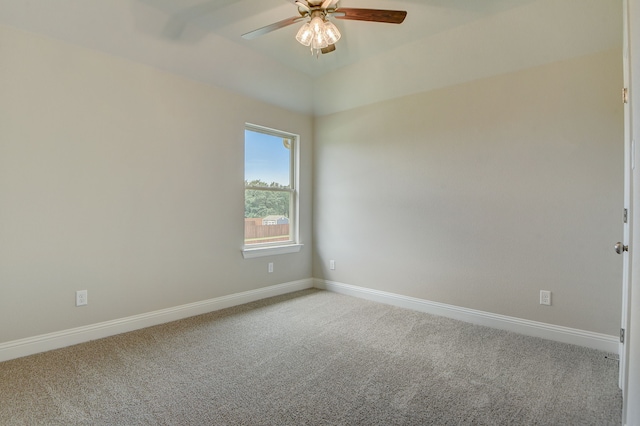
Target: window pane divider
{"x":267,"y":188}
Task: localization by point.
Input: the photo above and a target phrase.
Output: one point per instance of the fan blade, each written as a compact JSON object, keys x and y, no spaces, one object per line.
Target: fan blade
{"x":371,"y":15}
{"x":330,"y":48}
{"x":275,"y":26}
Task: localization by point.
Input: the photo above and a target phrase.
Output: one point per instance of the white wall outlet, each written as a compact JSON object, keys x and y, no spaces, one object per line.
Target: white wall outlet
{"x":332,"y":264}
{"x":545,"y":297}
{"x":81,"y":298}
{"x":270,"y":267}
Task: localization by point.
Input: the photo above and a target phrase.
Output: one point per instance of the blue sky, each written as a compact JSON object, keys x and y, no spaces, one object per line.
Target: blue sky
{"x":265,"y":158}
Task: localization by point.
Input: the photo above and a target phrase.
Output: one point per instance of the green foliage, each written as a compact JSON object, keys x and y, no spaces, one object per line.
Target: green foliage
{"x":261,"y":184}
{"x":262,"y":203}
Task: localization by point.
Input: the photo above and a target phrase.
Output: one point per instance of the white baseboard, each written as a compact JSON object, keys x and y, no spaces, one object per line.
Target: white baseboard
{"x":602,"y":342}
{"x":59,"y":339}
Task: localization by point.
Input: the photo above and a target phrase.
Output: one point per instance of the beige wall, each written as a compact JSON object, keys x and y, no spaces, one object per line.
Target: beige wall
{"x":482,"y":194}
{"x":125,"y":181}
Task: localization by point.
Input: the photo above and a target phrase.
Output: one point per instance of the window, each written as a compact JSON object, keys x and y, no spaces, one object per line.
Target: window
{"x":270,"y":193}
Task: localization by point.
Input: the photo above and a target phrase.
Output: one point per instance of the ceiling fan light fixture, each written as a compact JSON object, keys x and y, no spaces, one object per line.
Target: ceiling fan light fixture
{"x":305,"y":35}
{"x":319,"y":33}
{"x":317,"y":24}
{"x":319,"y":41}
{"x":331,"y":32}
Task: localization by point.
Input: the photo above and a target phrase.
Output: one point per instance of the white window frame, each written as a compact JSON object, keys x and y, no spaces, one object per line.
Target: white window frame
{"x":293,"y":244}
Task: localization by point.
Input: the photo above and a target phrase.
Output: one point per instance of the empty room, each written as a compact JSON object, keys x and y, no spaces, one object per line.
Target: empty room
{"x":349,"y":212}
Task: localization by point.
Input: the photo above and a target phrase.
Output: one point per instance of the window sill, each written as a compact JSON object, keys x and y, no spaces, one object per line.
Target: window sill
{"x":250,"y":253}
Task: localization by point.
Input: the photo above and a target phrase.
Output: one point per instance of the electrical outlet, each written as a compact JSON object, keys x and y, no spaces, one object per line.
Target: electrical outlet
{"x":81,"y":297}
{"x":270,"y":267}
{"x":332,"y":264}
{"x":545,"y":297}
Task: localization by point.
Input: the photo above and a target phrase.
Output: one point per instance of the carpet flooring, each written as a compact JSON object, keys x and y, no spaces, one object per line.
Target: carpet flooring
{"x":313,"y":358}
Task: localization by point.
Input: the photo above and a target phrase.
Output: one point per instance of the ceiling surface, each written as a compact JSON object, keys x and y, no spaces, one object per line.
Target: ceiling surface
{"x":440,"y":43}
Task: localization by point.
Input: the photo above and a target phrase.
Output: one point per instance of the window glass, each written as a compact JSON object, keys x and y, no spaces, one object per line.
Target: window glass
{"x":270,"y":193}
{"x":267,"y":159}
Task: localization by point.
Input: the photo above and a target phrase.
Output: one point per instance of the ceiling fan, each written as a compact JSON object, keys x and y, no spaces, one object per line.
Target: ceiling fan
{"x":319,"y":33}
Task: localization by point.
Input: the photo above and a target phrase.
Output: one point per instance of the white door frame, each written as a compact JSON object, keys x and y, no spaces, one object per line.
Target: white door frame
{"x":631,"y":373}
{"x":629,"y":165}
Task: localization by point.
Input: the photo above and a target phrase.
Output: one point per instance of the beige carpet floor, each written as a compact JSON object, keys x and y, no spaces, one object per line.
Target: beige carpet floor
{"x":313,"y":358}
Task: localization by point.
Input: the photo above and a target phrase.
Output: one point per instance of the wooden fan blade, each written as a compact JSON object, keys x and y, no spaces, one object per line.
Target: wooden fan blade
{"x":272,"y":27}
{"x":330,"y":48}
{"x":371,"y":15}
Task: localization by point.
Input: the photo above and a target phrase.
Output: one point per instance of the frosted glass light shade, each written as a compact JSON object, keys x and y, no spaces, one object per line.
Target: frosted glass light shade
{"x":317,"y":24}
{"x":305,"y":34}
{"x":319,"y":41}
{"x":331,"y":32}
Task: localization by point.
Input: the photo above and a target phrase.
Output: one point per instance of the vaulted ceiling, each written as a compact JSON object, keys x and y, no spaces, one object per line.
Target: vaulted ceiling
{"x":441,"y":42}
